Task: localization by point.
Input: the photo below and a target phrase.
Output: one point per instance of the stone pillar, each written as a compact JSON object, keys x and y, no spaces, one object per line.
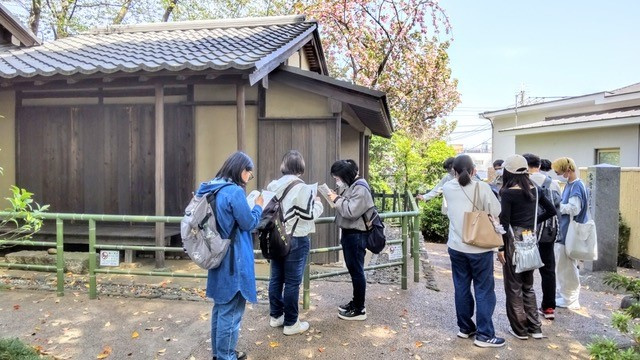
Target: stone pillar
{"x":603,"y":182}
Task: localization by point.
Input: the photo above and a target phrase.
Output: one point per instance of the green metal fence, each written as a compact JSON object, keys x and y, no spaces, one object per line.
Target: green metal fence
{"x":409,"y":220}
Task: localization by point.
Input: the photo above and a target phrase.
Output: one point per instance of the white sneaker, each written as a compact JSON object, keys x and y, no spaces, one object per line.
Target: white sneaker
{"x":561,"y":302}
{"x":516,"y":335}
{"x":537,"y":335}
{"x":273,"y":322}
{"x":298,"y":328}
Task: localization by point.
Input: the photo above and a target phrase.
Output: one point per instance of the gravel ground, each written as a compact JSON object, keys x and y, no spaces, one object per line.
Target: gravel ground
{"x":417,"y":323}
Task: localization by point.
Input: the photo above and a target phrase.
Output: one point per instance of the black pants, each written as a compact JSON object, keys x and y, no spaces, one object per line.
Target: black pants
{"x":548,"y":275}
{"x":522,"y":310}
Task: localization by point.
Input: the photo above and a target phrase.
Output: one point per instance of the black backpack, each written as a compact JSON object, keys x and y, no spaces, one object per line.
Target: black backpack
{"x":548,"y":230}
{"x":376,"y":240}
{"x":275,"y":243}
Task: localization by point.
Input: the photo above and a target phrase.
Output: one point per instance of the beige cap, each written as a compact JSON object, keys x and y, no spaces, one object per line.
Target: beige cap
{"x":516,"y":164}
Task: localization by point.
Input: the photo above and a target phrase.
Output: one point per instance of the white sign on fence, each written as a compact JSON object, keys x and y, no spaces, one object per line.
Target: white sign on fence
{"x":395,"y":252}
{"x":109,"y":258}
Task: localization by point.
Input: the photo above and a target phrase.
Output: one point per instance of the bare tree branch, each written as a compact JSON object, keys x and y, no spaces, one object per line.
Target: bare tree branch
{"x":34,"y":15}
{"x":169,"y":10}
{"x":122,"y":13}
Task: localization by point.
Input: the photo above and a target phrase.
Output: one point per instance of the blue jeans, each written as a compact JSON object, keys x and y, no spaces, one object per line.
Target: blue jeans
{"x":354,"y":249}
{"x":287,"y":273}
{"x":478,"y":268}
{"x":225,"y":327}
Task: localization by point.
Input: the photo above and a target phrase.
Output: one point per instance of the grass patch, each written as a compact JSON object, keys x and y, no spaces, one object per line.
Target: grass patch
{"x":14,"y":349}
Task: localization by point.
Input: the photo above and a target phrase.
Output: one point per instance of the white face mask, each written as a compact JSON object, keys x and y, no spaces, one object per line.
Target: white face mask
{"x":499,"y":172}
{"x":339,"y":183}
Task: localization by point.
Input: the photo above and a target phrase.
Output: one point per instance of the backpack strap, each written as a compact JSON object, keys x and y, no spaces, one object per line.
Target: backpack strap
{"x":211,"y":199}
{"x":286,"y":191}
{"x":546,"y":184}
{"x":364,"y":217}
{"x":289,"y":187}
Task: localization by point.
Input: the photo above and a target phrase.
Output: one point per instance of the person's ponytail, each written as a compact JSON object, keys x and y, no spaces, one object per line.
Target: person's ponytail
{"x":464,"y":178}
{"x":463,"y":166}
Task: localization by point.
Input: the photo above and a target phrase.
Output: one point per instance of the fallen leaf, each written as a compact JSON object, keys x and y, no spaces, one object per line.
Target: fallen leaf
{"x":162,"y":351}
{"x":310,"y":338}
{"x":135,"y":335}
{"x":16,"y":307}
{"x":321,"y":349}
{"x":274,"y":344}
{"x":106,"y":351}
{"x":345,"y":344}
{"x":552,"y":346}
{"x":107,"y":324}
{"x":259,"y":342}
{"x":418,"y":344}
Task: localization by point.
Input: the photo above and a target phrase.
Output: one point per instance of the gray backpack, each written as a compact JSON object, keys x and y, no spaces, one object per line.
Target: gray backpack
{"x":201,"y":239}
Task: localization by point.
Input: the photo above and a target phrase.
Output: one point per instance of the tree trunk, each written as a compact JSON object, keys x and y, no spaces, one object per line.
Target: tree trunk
{"x":34,"y":15}
{"x":169,"y":10}
{"x":122,"y":13}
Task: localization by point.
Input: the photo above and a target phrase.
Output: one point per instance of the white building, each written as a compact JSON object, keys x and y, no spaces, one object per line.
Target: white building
{"x":596,"y":128}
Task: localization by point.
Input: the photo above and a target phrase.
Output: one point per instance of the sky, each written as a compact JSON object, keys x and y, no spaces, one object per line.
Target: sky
{"x":548,"y":48}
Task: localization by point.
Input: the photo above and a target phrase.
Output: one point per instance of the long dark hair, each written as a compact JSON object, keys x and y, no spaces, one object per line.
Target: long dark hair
{"x":463,"y":166}
{"x":347,"y":170}
{"x":232,"y":168}
{"x":521,"y":180}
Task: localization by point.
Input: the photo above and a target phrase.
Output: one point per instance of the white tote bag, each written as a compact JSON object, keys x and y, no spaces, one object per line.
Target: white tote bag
{"x":581,"y":242}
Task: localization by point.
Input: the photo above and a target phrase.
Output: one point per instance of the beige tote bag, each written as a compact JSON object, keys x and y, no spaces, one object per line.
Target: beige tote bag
{"x":478,"y":228}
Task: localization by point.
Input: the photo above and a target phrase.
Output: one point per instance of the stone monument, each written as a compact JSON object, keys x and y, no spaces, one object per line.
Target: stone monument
{"x":603,"y":182}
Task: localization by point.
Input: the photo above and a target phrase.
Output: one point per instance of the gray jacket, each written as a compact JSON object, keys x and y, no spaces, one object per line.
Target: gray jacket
{"x":351,"y":204}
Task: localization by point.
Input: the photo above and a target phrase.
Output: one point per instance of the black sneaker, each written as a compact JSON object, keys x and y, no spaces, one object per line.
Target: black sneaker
{"x":353,"y":314}
{"x":346,"y":307}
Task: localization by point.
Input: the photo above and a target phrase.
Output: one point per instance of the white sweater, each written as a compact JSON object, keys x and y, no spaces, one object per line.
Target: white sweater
{"x":459,"y":200}
{"x":299,"y":205}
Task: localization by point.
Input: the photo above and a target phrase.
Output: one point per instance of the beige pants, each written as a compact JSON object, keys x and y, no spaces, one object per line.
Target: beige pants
{"x":567,"y":279}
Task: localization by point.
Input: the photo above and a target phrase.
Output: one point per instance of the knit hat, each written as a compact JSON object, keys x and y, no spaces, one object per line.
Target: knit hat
{"x":516,"y":164}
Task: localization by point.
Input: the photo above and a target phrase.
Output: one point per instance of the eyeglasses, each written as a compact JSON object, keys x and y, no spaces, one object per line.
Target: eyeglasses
{"x":250,"y":175}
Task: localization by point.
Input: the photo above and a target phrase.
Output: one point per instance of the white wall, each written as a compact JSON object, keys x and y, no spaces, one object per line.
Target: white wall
{"x":580,"y":145}
{"x":505,"y":145}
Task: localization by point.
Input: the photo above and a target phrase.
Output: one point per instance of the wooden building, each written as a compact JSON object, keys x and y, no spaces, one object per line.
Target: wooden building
{"x":130,"y":119}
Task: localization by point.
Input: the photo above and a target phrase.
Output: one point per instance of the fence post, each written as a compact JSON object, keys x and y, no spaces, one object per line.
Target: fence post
{"x":405,"y":241}
{"x":60,"y":257}
{"x":92,"y":260}
{"x":306,"y":284}
{"x":416,"y":248}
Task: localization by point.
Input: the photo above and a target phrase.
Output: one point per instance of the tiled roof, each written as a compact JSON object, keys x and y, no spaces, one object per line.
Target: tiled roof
{"x":251,"y":43}
{"x":577,"y":119}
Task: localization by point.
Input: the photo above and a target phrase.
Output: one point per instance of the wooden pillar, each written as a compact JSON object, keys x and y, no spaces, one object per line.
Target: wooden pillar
{"x":159,"y":172}
{"x":365,"y":161}
{"x":240,"y":116}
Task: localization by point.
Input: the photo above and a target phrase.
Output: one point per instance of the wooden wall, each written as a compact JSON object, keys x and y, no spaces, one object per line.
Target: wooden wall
{"x":316,"y":141}
{"x":100,"y":158}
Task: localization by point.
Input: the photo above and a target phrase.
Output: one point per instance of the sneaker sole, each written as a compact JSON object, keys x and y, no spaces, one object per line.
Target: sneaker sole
{"x":518,"y":336}
{"x":483,"y":344}
{"x":536,"y":336}
{"x":356,"y":318}
{"x":462,"y":335}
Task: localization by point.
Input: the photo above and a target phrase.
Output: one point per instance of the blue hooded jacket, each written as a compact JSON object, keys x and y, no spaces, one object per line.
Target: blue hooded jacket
{"x":232,"y":207}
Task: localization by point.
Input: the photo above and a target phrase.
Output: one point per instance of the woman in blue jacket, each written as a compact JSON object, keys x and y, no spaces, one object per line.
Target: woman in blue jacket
{"x":234,"y":281}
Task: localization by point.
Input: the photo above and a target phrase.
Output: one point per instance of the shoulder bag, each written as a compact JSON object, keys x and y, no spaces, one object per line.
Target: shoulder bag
{"x":581,"y":242}
{"x":526,"y":256}
{"x":478,"y":229}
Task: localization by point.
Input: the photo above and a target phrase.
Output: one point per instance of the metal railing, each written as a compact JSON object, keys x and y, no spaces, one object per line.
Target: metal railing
{"x":410,"y":221}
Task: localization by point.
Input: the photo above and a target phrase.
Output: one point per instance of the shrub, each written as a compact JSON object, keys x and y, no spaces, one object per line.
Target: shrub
{"x":624,"y":233}
{"x":11,"y":349}
{"x":625,"y":321}
{"x":433,"y":224}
